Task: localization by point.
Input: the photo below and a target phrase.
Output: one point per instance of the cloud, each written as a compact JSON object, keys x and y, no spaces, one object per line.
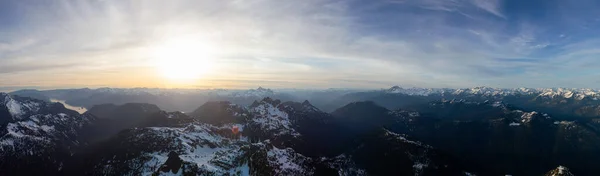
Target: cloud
{"x":17,"y":45}
{"x":491,"y":6}
{"x":30,"y":67}
{"x":430,"y":43}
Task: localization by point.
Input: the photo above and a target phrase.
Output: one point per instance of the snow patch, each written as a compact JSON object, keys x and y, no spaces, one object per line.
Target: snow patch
{"x":402,"y":138}
{"x":29,"y":124}
{"x":568,"y":94}
{"x":199,"y":144}
{"x":497,"y":104}
{"x":419,"y":166}
{"x":469,"y":174}
{"x":155,"y":162}
{"x":13,"y":129}
{"x":244,"y":170}
{"x":526,"y":117}
{"x":561,"y":169}
{"x":563,"y":123}
{"x":35,"y":119}
{"x":47,"y":128}
{"x":413,"y":114}
{"x":14,"y":108}
{"x":201,"y":156}
{"x":7,"y":142}
{"x":286,"y":161}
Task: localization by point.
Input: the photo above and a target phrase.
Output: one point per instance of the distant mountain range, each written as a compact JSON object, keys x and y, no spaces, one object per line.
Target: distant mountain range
{"x":580,"y":102}
{"x":169,"y":99}
{"x":396,"y":131}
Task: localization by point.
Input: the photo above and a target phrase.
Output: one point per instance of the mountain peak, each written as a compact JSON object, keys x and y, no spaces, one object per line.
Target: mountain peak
{"x":305,"y":106}
{"x":219,"y":112}
{"x":4,"y":98}
{"x":261,"y":89}
{"x":309,"y":106}
{"x":395,"y":89}
{"x":560,"y":171}
{"x":483,"y":87}
{"x":306,"y":103}
{"x":259,"y":92}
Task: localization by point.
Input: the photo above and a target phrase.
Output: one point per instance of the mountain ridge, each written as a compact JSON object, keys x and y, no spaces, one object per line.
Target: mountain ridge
{"x":317,"y":142}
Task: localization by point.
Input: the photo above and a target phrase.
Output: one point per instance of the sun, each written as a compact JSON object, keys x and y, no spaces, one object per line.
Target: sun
{"x":183,"y":59}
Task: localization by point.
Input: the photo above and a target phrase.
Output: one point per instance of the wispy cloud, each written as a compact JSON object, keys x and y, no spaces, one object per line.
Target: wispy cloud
{"x":322,"y":43}
{"x":491,"y":6}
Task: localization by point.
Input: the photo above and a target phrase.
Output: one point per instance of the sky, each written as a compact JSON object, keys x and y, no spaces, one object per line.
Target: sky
{"x":299,"y":44}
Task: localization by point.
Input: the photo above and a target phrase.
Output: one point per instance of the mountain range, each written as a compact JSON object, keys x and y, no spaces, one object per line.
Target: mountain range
{"x":396,"y":131}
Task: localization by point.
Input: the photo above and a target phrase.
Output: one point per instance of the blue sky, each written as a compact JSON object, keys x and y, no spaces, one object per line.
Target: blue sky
{"x":302,"y":44}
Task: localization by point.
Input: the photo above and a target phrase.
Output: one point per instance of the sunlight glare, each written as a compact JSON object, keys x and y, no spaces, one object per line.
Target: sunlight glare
{"x":184,"y":59}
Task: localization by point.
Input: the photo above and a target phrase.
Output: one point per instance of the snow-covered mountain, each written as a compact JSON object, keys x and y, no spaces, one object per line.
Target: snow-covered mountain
{"x":271,"y":120}
{"x":206,"y":149}
{"x":583,"y":102}
{"x":35,"y":132}
{"x":272,"y":137}
{"x":200,"y":148}
{"x":275,"y":138}
{"x":417,"y":91}
{"x":559,"y":171}
{"x":563,"y":103}
{"x":575,"y":93}
{"x":478,"y":131}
